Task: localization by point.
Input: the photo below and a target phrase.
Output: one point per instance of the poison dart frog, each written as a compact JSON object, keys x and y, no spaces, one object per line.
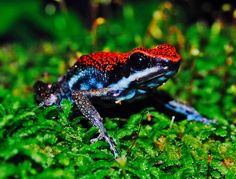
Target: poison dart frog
{"x":114,"y":78}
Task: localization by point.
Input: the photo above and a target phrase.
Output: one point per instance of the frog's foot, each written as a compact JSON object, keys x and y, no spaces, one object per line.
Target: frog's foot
{"x":99,"y":137}
{"x":102,"y":136}
{"x":199,"y":118}
{"x":111,"y":141}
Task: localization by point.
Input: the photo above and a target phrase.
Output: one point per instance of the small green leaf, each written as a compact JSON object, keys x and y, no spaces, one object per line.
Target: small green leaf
{"x":221,"y":132}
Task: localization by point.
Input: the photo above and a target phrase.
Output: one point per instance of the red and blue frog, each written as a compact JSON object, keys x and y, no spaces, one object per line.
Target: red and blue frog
{"x":111,"y":78}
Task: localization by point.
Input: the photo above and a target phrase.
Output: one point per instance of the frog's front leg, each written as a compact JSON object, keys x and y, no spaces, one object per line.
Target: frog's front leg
{"x":88,"y":110}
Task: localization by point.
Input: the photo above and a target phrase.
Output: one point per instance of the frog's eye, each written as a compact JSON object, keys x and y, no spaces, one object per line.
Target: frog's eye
{"x":137,"y":61}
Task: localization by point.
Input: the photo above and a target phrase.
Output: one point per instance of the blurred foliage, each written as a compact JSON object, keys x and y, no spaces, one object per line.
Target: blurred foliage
{"x":40,"y":42}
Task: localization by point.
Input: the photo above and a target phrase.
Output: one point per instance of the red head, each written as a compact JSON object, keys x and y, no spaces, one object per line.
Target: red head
{"x":107,"y":61}
{"x":141,"y":65}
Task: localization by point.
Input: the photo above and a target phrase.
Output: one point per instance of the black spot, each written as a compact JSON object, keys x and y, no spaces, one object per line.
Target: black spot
{"x":138,"y":61}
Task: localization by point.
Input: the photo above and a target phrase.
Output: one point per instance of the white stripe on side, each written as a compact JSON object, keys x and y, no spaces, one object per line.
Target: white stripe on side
{"x":125,"y":82}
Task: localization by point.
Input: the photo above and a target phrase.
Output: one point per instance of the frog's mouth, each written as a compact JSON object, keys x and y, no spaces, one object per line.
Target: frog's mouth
{"x":156,"y":77}
{"x":46,"y":94}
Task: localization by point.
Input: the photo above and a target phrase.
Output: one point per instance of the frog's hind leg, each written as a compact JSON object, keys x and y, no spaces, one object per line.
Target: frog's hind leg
{"x":173,"y":107}
{"x":89,"y":111}
{"x":190,"y":113}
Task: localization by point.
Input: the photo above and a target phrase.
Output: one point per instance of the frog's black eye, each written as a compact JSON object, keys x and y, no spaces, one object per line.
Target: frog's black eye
{"x":137,"y":61}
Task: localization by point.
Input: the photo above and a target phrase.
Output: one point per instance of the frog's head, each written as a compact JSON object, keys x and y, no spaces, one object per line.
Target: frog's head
{"x":46,"y":94}
{"x":147,"y":68}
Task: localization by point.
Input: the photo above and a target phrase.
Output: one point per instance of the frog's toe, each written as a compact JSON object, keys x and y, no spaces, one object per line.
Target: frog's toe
{"x":103,"y":136}
{"x":110,"y":140}
{"x":209,"y":121}
{"x":99,"y":137}
{"x":113,"y":140}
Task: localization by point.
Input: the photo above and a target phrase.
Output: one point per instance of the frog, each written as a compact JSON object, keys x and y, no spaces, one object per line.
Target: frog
{"x":113,"y":78}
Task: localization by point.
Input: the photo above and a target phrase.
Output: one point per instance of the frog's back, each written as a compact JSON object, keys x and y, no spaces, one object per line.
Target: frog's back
{"x":93,"y":71}
{"x":103,"y":61}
